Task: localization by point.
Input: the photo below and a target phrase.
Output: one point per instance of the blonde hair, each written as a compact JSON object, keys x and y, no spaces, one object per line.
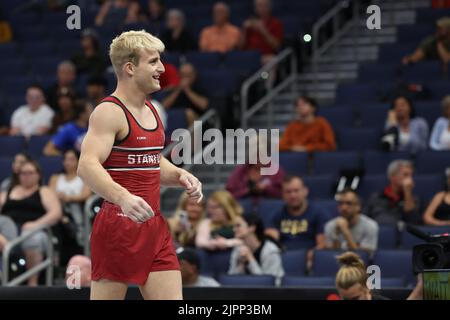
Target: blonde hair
{"x":182,"y":202}
{"x":226,"y":200}
{"x":125,"y":47}
{"x":351,"y":272}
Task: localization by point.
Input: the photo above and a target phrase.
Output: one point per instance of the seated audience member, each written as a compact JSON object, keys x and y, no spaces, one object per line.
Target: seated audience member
{"x":397,"y":201}
{"x":81,"y":264}
{"x":176,"y":37}
{"x":96,"y":89}
{"x":300,"y":224}
{"x":188,"y":94}
{"x":438,"y":211}
{"x":115,"y":13}
{"x":8,"y":231}
{"x":351,"y":281}
{"x":31,"y":205}
{"x":246,"y":181}
{"x":34,"y":118}
{"x":406,"y":131}
{"x":170,"y":79}
{"x":64,"y":111}
{"x":263,"y":32}
{"x":13,"y":180}
{"x":434,"y":47}
{"x":65,"y":83}
{"x":185,"y":221}
{"x":222,"y":36}
{"x":155,"y":16}
{"x":216,"y":231}
{"x":257,"y":255}
{"x":90,"y":59}
{"x":309,"y":133}
{"x":71,"y":135}
{"x":351,"y":230}
{"x":190,"y":268}
{"x":440,"y":135}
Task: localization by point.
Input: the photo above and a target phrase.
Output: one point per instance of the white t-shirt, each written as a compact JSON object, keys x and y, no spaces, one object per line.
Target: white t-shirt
{"x":29,"y":122}
{"x":445,"y":138}
{"x":72,"y":187}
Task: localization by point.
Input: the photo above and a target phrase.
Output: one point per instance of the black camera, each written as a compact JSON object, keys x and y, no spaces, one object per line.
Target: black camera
{"x":433,"y":255}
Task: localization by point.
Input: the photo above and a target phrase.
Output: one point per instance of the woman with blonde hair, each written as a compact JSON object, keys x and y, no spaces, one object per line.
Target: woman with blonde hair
{"x":185,"y":221}
{"x":216,"y":231}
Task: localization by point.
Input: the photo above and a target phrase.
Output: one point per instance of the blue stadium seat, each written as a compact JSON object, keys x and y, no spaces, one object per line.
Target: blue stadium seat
{"x":356,"y":93}
{"x":358,"y":139}
{"x":176,"y":118}
{"x":31,"y":33}
{"x":308,"y":282}
{"x":320,"y":187}
{"x":209,"y":79}
{"x":17,"y":85}
{"x":408,"y":241}
{"x":244,"y":60}
{"x":215,"y":262}
{"x":13,"y":63}
{"x":392,"y":282}
{"x":246,"y":204}
{"x":294,"y":262}
{"x":50,"y":166}
{"x":68,"y":47}
{"x":430,"y":15}
{"x":414,"y":32}
{"x":38,"y":49}
{"x":374,"y":72}
{"x":387,"y":237}
{"x":172,"y":58}
{"x":268,"y":208}
{"x":5,"y":166}
{"x":10,"y":146}
{"x":426,"y":186}
{"x":338,"y":117}
{"x":333,"y":162}
{"x":373,"y":115}
{"x":371,"y":184}
{"x":429,"y":110}
{"x":438,"y":89}
{"x":432,"y":162}
{"x":46,"y":66}
{"x":294,"y":162}
{"x":376,"y":162}
{"x":36,"y":145}
{"x":423,"y":71}
{"x":395,"y":264}
{"x":246,"y":281}
{"x":325,"y":263}
{"x":203,"y":60}
{"x":395,"y":52}
{"x":329,"y":206}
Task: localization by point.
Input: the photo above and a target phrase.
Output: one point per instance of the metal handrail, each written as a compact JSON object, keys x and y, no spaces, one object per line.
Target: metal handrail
{"x":247,"y":112}
{"x":87,"y":222}
{"x":46,"y":264}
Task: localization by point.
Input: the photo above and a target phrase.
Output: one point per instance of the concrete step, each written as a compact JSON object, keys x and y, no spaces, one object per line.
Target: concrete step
{"x":350,"y":49}
{"x":405,"y":4}
{"x":326,"y":67}
{"x":349,"y":56}
{"x":328,"y":76}
{"x":376,"y":39}
{"x":362,"y":31}
{"x":392,"y":18}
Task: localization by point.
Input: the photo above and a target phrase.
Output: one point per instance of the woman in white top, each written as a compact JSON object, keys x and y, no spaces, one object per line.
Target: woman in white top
{"x":440,"y":136}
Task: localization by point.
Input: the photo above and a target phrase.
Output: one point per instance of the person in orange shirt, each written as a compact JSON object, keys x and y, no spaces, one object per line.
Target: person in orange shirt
{"x":222,"y":36}
{"x":309,"y":133}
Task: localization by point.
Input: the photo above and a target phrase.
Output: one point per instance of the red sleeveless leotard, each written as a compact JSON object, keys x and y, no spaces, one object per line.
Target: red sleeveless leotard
{"x":121,"y":249}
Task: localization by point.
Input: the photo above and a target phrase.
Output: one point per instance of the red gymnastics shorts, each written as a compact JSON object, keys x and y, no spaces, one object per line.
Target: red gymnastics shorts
{"x":125,"y":251}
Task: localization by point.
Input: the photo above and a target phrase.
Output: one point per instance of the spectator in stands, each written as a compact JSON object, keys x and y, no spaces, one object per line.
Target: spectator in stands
{"x":440,"y":135}
{"x":438,"y":211}
{"x":397,"y":201}
{"x":155,"y":16}
{"x":351,"y":230}
{"x":31,"y":205}
{"x":65,"y":83}
{"x":8,"y":231}
{"x":64,"y":111}
{"x":96,"y":89}
{"x":257,"y":255}
{"x":90,"y":59}
{"x":185,"y":221}
{"x":71,"y":135}
{"x":403,"y":130}
{"x":435,"y":46}
{"x":309,"y":133}
{"x":351,"y":279}
{"x":13,"y":180}
{"x":34,"y":118}
{"x":170,"y":79}
{"x":300,"y":224}
{"x":188,"y":94}
{"x":115,"y":13}
{"x":216,"y":231}
{"x":81,"y":264}
{"x":263,"y":32}
{"x":246,"y":181}
{"x":190,"y":268}
{"x":222,"y":36}
{"x":176,"y":37}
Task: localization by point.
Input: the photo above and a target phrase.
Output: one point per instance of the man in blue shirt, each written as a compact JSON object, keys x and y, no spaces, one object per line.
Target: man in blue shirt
{"x":70,"y":135}
{"x":300,"y":224}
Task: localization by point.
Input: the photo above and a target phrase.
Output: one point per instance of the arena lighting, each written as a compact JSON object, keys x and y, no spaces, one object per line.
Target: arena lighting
{"x":307,"y":37}
{"x":22,"y":262}
{"x":265,"y":75}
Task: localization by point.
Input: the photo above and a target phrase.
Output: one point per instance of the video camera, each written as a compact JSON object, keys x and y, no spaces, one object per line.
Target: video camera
{"x":433,"y":255}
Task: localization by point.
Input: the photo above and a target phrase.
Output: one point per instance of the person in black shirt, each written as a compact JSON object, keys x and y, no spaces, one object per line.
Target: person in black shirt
{"x":90,"y":59}
{"x":176,"y":37}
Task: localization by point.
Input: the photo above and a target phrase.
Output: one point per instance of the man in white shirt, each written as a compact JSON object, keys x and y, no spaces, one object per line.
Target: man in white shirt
{"x":34,"y":118}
